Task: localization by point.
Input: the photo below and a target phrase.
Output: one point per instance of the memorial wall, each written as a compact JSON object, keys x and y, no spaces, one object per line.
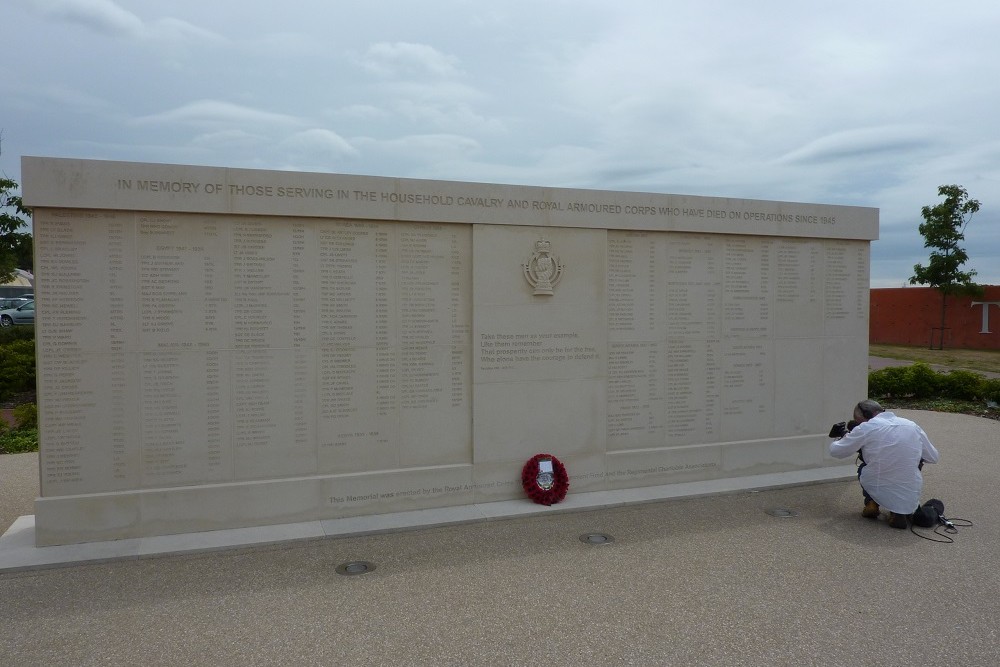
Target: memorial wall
{"x":221,"y":348}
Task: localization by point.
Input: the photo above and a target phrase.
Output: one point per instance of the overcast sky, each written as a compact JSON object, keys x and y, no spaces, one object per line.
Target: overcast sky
{"x":853,"y":102}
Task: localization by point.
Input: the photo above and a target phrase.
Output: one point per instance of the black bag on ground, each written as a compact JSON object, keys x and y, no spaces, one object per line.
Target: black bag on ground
{"x":929,"y":514}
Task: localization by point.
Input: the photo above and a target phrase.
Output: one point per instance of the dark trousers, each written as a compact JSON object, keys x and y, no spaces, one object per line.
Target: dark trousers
{"x":867,"y":497}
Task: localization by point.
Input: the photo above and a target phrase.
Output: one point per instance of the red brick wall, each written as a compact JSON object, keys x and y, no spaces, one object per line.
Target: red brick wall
{"x":907,"y":315}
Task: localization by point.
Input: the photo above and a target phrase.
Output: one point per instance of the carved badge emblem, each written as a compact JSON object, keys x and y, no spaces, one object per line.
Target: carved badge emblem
{"x":543,"y":270}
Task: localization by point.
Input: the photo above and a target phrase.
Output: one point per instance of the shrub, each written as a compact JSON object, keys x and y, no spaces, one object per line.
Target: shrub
{"x":17,"y":366}
{"x":961,"y":385}
{"x":26,"y":416}
{"x":922,"y":380}
{"x":19,"y":332}
{"x":890,"y":381}
{"x":19,"y":441}
{"x":991,"y":390}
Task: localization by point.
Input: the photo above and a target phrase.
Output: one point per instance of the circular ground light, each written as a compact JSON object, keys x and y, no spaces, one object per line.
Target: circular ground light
{"x":782,"y":513}
{"x":355,"y":567}
{"x":596,"y":538}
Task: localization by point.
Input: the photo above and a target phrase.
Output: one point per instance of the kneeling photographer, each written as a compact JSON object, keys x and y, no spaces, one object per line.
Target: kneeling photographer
{"x":892,"y":451}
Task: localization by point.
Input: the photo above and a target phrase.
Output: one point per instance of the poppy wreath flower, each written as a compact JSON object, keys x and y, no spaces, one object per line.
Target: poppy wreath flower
{"x":529,"y":480}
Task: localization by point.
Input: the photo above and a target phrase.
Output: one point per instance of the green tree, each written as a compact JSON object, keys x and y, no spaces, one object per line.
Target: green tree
{"x":13,"y":216}
{"x":943,"y":228}
{"x":24,"y":248}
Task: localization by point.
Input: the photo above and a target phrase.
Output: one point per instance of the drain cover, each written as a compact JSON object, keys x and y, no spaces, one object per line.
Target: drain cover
{"x":355,"y":567}
{"x":596,"y":538}
{"x":782,"y":512}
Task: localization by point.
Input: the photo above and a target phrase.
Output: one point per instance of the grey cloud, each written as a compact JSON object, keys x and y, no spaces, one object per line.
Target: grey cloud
{"x":174,"y":29}
{"x":445,"y":145}
{"x":847,"y":144}
{"x":362,"y":111}
{"x":407,"y":58}
{"x":103,"y":16}
{"x":446,"y":116}
{"x":318,"y":141}
{"x":70,"y":98}
{"x":234,"y":139}
{"x":210,"y":113}
{"x":109,"y":18}
{"x":450,"y":91}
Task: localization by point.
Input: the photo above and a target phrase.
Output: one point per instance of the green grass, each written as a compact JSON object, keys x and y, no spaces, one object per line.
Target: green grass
{"x":971,"y":360}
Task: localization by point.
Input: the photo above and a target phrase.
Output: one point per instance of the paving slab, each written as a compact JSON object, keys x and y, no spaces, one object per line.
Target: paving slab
{"x":712,"y":580}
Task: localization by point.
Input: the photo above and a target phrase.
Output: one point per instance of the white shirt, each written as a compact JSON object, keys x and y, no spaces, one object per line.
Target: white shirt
{"x":892,"y":448}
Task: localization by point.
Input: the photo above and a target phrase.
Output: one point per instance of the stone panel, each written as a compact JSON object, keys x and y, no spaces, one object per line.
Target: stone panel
{"x":222,"y":348}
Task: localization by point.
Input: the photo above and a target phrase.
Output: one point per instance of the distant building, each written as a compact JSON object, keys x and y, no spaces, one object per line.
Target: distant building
{"x":22,"y":283}
{"x":912,"y":316}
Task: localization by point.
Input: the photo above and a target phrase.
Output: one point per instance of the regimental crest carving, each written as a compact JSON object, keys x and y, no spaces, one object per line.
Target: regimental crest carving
{"x":543,"y":269}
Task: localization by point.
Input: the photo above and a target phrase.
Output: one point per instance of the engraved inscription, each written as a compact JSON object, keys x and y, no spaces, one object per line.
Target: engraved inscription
{"x":507,"y":351}
{"x":633,"y":278}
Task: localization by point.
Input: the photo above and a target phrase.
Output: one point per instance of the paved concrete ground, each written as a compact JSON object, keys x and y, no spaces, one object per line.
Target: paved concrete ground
{"x":702,"y":581}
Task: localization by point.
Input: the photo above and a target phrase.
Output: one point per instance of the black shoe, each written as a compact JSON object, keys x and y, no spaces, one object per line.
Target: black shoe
{"x":897,"y":520}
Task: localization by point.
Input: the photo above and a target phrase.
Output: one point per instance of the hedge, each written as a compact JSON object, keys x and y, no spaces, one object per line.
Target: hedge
{"x":921,"y":381}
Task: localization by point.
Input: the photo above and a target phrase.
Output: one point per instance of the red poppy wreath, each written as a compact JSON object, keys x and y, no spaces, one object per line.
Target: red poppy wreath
{"x":544,"y":479}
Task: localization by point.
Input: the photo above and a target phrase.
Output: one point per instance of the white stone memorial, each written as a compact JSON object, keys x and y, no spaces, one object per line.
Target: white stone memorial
{"x":221,"y":348}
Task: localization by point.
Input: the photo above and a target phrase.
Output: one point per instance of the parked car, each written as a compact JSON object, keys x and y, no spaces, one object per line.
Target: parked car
{"x":13,"y":302}
{"x":24,"y":314}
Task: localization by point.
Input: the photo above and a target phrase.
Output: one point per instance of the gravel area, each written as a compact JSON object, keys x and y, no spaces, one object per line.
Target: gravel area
{"x":18,"y":487}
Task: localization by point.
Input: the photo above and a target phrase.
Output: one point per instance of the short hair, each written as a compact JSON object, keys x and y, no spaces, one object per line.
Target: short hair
{"x":869,"y":408}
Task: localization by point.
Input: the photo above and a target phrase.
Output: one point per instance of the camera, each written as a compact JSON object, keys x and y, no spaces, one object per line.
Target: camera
{"x":840,"y":429}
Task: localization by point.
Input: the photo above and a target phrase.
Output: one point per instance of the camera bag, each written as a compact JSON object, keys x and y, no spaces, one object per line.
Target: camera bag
{"x":929,"y":514}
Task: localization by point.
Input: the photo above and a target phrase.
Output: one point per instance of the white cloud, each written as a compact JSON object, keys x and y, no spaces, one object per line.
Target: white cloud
{"x":402,"y":58}
{"x":228,"y":140}
{"x":109,"y":18}
{"x":445,"y":117}
{"x":287,"y":45}
{"x":889,"y":141}
{"x":361,"y":111}
{"x":70,"y":99}
{"x":439,"y":145}
{"x":171,"y":30}
{"x":215,"y":113}
{"x":318,"y":142}
{"x":103,"y":16}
